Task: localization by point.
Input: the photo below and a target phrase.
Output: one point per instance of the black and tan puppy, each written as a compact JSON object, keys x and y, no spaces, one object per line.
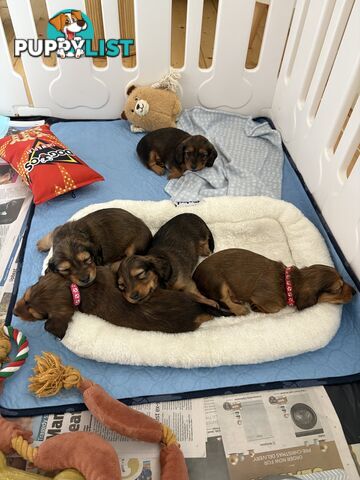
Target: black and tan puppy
{"x":50,"y":299}
{"x":170,"y":261}
{"x":241,"y":279}
{"x":99,"y":238}
{"x":174,"y":150}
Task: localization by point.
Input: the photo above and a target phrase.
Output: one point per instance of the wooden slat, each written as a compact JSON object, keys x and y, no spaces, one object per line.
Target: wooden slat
{"x":93,"y":10}
{"x":208,"y":33}
{"x":256,"y":35}
{"x":127,"y":29}
{"x":178,"y":32}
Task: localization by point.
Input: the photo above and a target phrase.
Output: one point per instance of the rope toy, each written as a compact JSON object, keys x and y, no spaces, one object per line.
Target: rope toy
{"x":5,"y":347}
{"x":51,"y":376}
{"x":87,"y":452}
{"x":7,"y":334}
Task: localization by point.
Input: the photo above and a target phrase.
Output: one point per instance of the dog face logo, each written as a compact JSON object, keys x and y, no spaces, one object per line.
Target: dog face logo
{"x":72,"y":28}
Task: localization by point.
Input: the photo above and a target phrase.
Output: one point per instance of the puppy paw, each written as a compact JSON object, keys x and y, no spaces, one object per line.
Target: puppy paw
{"x":45,"y":243}
{"x":174,"y":174}
{"x":158,"y":169}
{"x":240,"y":309}
{"x":114,"y":267}
{"x":136,"y":129}
{"x":212,"y":303}
{"x":79,"y":53}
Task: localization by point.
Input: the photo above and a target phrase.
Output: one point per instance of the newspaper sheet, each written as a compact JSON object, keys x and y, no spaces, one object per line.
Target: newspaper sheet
{"x":15,"y":202}
{"x":292,"y":432}
{"x":7,"y":289}
{"x":250,"y":436}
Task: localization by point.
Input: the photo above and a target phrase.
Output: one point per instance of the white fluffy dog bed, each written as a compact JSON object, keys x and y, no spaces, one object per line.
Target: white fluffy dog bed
{"x":273,"y":228}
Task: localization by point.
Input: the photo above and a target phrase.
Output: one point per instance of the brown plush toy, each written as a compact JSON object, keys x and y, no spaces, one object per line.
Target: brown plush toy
{"x":87,"y":452}
{"x":149,"y":108}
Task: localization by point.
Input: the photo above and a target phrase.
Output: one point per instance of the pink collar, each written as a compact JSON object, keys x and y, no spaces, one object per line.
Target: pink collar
{"x":75,"y":292}
{"x":289,"y":288}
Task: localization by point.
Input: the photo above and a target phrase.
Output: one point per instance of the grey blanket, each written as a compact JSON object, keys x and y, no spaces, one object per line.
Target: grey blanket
{"x":249,"y":162}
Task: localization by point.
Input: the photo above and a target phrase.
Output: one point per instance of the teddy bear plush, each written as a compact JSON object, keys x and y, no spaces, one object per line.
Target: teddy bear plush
{"x":152,"y":107}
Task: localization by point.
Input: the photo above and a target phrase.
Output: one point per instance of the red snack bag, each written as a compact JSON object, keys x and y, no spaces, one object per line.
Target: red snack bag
{"x":46,"y":165}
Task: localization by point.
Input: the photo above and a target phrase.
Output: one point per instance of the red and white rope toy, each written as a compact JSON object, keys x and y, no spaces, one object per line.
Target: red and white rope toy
{"x":22,"y":354}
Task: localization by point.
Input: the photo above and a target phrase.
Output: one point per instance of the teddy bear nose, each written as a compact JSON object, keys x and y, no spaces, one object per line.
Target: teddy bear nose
{"x":138,"y":106}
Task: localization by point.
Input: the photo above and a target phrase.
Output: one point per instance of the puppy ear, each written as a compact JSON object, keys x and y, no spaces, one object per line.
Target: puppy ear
{"x":51,"y":266}
{"x":130,"y":89}
{"x":179,"y":154}
{"x":306,"y":299}
{"x":212,"y":154}
{"x":77,"y":14}
{"x":162,"y":267}
{"x":123,"y":115}
{"x":58,"y":322}
{"x":96,"y":253}
{"x":57,"y":327}
{"x":114,"y":267}
{"x":58,"y":22}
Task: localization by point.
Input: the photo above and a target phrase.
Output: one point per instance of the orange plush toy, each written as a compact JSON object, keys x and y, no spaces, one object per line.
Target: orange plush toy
{"x":88,"y":453}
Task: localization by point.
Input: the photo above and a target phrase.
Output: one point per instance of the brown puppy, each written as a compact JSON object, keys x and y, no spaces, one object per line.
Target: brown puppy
{"x":238,"y":278}
{"x":175,"y":150}
{"x":167,"y":311}
{"x":170,"y":261}
{"x":101,"y":237}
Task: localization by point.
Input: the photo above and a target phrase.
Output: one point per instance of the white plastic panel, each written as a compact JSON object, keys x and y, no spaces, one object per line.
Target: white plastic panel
{"x":78,"y":89}
{"x":318,"y":88}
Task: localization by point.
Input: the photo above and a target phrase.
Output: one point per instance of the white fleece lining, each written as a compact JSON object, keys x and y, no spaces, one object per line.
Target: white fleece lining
{"x":270,"y":227}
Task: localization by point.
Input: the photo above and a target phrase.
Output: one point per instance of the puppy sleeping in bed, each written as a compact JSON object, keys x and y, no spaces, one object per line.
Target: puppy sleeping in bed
{"x":170,"y":261}
{"x":55,"y":299}
{"x":243,"y":280}
{"x":174,"y":150}
{"x":99,"y":238}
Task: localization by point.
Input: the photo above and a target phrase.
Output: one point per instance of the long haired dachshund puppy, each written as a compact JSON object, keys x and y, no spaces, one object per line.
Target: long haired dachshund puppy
{"x":241,"y":278}
{"x":51,"y":299}
{"x":170,"y":261}
{"x":99,"y":238}
{"x":175,"y":150}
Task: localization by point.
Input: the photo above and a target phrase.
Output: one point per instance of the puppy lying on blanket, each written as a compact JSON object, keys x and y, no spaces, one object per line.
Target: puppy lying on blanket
{"x":175,"y":150}
{"x":55,"y":300}
{"x":170,"y":261}
{"x":101,"y":237}
{"x":242,"y":279}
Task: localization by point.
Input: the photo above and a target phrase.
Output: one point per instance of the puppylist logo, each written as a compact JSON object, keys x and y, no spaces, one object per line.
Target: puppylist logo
{"x":70,"y":34}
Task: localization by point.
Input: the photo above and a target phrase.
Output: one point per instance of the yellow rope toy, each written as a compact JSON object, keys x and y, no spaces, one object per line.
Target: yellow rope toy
{"x":5,"y":347}
{"x":87,"y":452}
{"x":51,"y":376}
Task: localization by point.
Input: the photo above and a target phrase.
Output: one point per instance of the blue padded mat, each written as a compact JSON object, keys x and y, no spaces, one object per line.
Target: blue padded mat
{"x":114,"y":157}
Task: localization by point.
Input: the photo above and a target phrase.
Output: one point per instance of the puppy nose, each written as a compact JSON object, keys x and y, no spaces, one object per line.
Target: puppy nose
{"x":81,"y":23}
{"x":353,"y":291}
{"x":15,"y":312}
{"x":135,"y":296}
{"x":85,"y":279}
